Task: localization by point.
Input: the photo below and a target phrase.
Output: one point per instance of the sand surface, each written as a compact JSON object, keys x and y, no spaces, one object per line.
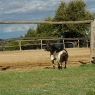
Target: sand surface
{"x":35,"y":59}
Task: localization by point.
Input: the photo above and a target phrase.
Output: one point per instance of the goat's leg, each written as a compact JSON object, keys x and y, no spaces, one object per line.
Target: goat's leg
{"x":65,"y":65}
{"x":59,"y":65}
{"x":53,"y":64}
{"x":52,"y":60}
{"x":66,"y":59}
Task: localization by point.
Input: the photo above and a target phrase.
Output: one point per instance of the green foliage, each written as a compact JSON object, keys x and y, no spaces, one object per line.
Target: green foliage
{"x":75,"y":10}
{"x":11,"y":45}
{"x":60,"y":13}
{"x":44,"y":30}
{"x":27,"y":45}
{"x":31,"y":33}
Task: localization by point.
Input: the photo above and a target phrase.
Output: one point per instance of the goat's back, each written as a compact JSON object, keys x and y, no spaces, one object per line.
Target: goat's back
{"x":63,"y":55}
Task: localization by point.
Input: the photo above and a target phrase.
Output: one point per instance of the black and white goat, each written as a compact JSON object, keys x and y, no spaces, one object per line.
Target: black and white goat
{"x":60,"y":55}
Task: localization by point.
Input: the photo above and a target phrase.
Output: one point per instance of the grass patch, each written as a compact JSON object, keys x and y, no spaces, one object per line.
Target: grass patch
{"x":72,"y":81}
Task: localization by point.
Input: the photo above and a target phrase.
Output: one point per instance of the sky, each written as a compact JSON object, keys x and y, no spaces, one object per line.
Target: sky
{"x":28,"y":10}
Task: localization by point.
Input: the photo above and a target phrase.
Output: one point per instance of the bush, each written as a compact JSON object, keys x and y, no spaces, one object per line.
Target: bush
{"x":12,"y":45}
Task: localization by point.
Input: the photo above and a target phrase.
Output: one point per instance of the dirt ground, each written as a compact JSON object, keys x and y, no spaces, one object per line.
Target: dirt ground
{"x":35,"y":59}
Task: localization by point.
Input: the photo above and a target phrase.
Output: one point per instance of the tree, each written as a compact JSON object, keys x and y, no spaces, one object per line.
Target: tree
{"x":74,"y":11}
{"x":31,"y":33}
{"x":93,"y":15}
{"x":60,"y":15}
{"x":44,"y":30}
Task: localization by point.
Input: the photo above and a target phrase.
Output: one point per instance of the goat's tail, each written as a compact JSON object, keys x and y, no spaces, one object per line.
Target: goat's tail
{"x":65,"y":50}
{"x":66,"y":53}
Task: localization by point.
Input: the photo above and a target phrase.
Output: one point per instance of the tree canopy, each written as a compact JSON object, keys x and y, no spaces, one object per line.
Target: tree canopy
{"x":44,"y":30}
{"x":75,"y":10}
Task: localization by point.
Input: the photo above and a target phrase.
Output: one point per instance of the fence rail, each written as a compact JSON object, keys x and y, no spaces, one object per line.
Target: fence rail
{"x":45,"y":22}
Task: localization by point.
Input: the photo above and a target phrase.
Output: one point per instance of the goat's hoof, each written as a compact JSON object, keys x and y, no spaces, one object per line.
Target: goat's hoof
{"x":59,"y":67}
{"x":65,"y":68}
{"x":53,"y":67}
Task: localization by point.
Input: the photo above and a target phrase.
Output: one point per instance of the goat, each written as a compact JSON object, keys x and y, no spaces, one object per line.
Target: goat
{"x":60,"y":55}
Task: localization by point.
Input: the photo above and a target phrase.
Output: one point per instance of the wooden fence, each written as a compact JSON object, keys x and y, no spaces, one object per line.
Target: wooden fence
{"x":91,"y":22}
{"x":75,"y":42}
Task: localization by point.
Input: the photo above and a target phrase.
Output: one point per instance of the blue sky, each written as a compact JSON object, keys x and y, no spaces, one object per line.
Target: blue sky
{"x":28,"y":10}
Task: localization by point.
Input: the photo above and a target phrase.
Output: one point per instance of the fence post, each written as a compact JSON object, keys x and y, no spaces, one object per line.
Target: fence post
{"x":78,"y":43}
{"x":63,"y":44}
{"x":92,"y":43}
{"x":87,"y":43}
{"x":20,"y":45}
{"x":41,"y":43}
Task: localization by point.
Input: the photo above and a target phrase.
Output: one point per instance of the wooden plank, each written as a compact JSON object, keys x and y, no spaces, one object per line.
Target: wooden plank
{"x":42,"y":38}
{"x":60,"y":38}
{"x":45,"y":22}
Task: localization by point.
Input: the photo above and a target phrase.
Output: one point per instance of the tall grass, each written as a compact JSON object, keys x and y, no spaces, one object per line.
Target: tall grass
{"x":72,"y":81}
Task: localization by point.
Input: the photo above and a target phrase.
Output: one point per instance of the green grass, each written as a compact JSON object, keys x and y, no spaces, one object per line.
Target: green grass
{"x":72,"y":81}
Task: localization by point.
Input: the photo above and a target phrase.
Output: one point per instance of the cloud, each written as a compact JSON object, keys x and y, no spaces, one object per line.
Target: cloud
{"x":89,"y":0}
{"x":27,"y":9}
{"x":22,"y":6}
{"x":17,"y":28}
{"x":91,"y":5}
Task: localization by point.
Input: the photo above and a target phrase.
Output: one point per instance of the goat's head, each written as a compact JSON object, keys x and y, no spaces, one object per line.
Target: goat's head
{"x":48,"y":47}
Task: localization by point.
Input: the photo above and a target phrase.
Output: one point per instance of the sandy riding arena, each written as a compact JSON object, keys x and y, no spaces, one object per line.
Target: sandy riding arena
{"x":35,"y":59}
